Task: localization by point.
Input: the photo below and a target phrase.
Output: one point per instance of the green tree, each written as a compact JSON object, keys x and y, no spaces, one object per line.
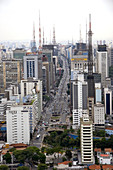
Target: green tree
{"x":68,"y":154}
{"x":4,"y":167}
{"x":12,"y":149}
{"x":20,"y":157}
{"x":64,"y":159}
{"x":7,"y":158}
{"x":23,"y":168}
{"x":42,"y":158}
{"x":42,"y":167}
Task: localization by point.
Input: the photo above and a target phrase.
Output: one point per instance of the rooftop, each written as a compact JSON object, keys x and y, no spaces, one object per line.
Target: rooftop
{"x":65,"y":162}
{"x":109,"y":167}
{"x":95,"y":167}
{"x":104,"y":155}
{"x":97,"y":149}
{"x":108,"y":150}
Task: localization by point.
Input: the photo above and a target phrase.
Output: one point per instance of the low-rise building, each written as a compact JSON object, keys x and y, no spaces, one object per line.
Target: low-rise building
{"x":109,"y":130}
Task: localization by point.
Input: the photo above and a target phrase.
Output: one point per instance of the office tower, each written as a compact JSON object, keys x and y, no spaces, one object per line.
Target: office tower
{"x":32,"y":66}
{"x":102,"y":63}
{"x":80,"y":94}
{"x":90,"y":77}
{"x":19,"y":53}
{"x":44,"y":80}
{"x":79,"y":61}
{"x":46,"y":64}
{"x":90,"y":106}
{"x":18,"y":128}
{"x":86,"y":132}
{"x":10,"y":72}
{"x":111,"y":56}
{"x":99,"y":116}
{"x":98,"y":93}
{"x":108,"y":101}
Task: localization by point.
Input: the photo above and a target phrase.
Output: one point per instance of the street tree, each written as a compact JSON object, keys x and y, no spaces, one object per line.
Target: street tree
{"x":7,"y":158}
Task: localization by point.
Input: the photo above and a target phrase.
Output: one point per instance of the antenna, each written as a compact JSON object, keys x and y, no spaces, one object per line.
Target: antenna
{"x":86,"y":33}
{"x":43,"y":37}
{"x":33,"y":31}
{"x":39,"y":33}
{"x":54,"y":41}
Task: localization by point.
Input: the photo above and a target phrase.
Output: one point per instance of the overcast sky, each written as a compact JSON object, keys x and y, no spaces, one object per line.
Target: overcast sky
{"x":17,"y":17}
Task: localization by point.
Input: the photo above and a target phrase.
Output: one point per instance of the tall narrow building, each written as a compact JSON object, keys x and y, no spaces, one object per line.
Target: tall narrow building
{"x":90,"y":77}
{"x":86,"y":130}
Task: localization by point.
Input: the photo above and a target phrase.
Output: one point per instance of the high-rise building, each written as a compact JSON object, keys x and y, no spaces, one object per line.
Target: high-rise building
{"x":102,"y":63}
{"x":86,"y":132}
{"x":44,"y":80}
{"x":18,"y":129}
{"x":80,"y":94}
{"x":32,"y":66}
{"x":90,"y":77}
{"x":10,"y":72}
{"x":99,"y":116}
{"x":98,"y":93}
{"x":32,"y":87}
{"x":108,"y":101}
{"x":90,"y":106}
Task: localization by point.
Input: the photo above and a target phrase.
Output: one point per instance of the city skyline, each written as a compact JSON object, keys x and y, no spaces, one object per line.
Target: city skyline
{"x":17,"y":19}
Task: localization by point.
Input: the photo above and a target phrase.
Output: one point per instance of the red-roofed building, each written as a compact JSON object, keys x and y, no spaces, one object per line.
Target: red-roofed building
{"x":105,"y":158}
{"x":64,"y":164}
{"x":107,"y":167}
{"x":97,"y":149}
{"x":108,"y":150}
{"x":95,"y":167}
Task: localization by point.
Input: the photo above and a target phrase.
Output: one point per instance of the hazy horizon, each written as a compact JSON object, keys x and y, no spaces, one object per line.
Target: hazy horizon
{"x":17,"y":17}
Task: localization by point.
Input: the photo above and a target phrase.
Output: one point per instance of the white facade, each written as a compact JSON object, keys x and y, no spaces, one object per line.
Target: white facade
{"x":99,"y":115}
{"x":18,"y":128}
{"x":102,"y":65}
{"x":105,"y":159}
{"x":33,"y":87}
{"x":108,"y":101}
{"x":86,"y":140}
{"x":30,"y":66}
{"x":3,"y":108}
{"x":80,"y":93}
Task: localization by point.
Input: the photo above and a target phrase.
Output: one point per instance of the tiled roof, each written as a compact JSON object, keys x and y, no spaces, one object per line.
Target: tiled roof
{"x":94,"y":167}
{"x":97,"y":149}
{"x":108,"y":150}
{"x":109,"y":128}
{"x":19,"y":145}
{"x":65,"y":162}
{"x":110,"y":167}
{"x":104,"y":155}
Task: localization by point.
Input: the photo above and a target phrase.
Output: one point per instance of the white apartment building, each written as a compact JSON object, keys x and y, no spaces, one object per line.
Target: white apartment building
{"x":86,"y":129}
{"x":80,"y":94}
{"x":99,"y":115}
{"x":18,"y":128}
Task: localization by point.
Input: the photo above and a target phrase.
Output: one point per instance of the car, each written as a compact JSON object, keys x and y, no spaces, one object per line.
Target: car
{"x":38,"y":136}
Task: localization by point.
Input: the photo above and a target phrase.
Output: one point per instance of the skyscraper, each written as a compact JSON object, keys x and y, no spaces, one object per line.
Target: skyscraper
{"x":90,"y":77}
{"x":86,"y":140}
